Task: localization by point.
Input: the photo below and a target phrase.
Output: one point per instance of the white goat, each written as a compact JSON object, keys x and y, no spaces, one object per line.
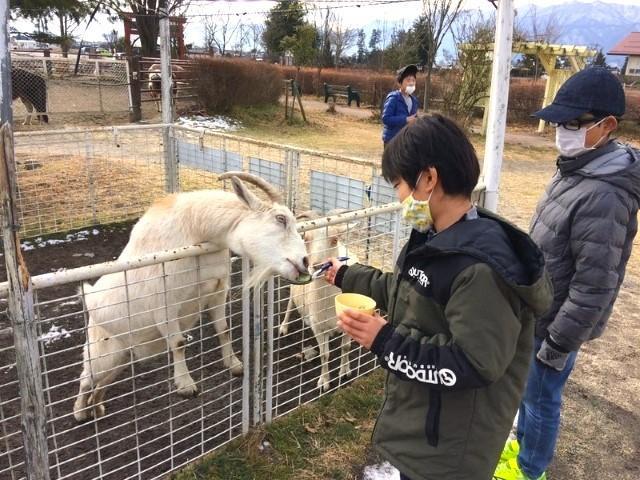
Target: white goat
{"x":155,"y":81}
{"x":315,"y":302}
{"x":147,"y":311}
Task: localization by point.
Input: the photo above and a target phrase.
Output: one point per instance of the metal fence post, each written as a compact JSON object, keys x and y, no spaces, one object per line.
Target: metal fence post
{"x":246,"y":343}
{"x":88,"y":151}
{"x":98,"y":76}
{"x":21,"y":309}
{"x":396,"y":236}
{"x":270,"y":326}
{"x":257,"y":356}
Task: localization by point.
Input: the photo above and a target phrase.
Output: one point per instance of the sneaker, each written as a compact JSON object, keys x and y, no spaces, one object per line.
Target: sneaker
{"x":510,"y":450}
{"x":510,"y":470}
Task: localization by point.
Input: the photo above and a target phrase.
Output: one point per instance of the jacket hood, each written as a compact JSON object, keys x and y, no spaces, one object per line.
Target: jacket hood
{"x":614,"y":163}
{"x":509,"y":251}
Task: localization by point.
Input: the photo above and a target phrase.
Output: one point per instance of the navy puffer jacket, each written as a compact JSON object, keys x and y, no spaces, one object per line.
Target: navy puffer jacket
{"x":395,"y":113}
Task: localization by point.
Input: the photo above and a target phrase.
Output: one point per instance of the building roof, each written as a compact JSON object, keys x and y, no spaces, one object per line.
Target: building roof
{"x":629,"y":45}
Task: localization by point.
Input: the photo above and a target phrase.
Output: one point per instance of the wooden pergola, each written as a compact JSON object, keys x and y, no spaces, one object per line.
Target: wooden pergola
{"x":548,"y":55}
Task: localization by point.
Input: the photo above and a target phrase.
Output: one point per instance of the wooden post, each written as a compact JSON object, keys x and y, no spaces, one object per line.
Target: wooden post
{"x":135,"y":115}
{"x":21,"y":311}
{"x":286,"y":99}
{"x":297,"y":90}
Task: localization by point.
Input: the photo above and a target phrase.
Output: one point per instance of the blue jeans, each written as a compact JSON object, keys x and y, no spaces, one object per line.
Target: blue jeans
{"x":539,"y":415}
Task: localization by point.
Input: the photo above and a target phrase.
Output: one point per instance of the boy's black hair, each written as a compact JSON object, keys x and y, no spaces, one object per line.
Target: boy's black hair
{"x":433,"y":141}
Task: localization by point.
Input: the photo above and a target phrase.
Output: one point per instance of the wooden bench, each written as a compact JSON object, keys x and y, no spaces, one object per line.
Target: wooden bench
{"x":341,"y":91}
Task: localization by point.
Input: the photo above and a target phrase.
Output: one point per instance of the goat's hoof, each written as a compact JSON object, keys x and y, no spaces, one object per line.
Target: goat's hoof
{"x":309,"y":353}
{"x":236,"y":369}
{"x":81,"y":414}
{"x":323,"y":384}
{"x":188,"y":391}
{"x":98,"y":411}
{"x":284,"y":329}
{"x":346,"y":373}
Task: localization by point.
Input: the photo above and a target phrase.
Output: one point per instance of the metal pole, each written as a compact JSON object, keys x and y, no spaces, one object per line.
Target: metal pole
{"x":498,"y":101}
{"x":246,"y":344}
{"x":5,"y":65}
{"x":270,"y":326}
{"x":167,"y":110}
{"x":257,"y":356}
{"x":22,"y":315}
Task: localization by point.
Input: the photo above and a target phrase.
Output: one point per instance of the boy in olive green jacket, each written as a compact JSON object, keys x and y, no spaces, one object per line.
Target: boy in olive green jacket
{"x":460,"y":310}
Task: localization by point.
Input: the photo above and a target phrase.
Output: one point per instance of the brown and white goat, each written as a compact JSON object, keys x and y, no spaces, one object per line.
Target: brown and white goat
{"x":315,"y":302}
{"x":155,"y":82}
{"x":147,"y":311}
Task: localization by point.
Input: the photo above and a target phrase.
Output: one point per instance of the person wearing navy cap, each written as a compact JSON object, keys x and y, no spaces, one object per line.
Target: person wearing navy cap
{"x":584,"y":224}
{"x":400,"y":106}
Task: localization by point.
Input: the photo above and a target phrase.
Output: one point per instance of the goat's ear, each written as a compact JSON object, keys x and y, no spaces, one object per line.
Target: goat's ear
{"x":343,"y":228}
{"x":244,"y":194}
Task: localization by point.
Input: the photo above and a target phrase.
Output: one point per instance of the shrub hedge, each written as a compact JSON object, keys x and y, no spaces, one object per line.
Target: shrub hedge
{"x":223,"y":83}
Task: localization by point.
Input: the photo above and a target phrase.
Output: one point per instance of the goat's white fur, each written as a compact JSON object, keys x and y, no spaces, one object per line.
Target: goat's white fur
{"x":315,"y":302}
{"x":148,"y":311}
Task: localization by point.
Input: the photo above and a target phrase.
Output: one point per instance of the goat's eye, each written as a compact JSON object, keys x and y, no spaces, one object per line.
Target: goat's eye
{"x":334,"y":241}
{"x":282,"y":219}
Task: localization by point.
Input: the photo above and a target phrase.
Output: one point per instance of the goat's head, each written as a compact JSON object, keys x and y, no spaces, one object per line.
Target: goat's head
{"x":323,"y":243}
{"x":267,"y":232}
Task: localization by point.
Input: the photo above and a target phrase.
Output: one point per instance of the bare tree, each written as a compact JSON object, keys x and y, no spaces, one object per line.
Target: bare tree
{"x":255,"y":36}
{"x":433,"y":25}
{"x":219,"y":31}
{"x":343,"y":39}
{"x":111,"y":39}
{"x":541,"y":29}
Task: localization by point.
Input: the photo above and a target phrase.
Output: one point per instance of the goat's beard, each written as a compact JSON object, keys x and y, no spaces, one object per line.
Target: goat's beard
{"x":257,"y":278}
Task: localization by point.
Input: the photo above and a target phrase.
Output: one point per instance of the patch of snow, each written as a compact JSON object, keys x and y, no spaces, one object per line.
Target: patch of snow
{"x":217,"y":122}
{"x":26,"y":247}
{"x":385,"y":471}
{"x":54,"y":334}
{"x":95,"y":231}
{"x":89,"y":254}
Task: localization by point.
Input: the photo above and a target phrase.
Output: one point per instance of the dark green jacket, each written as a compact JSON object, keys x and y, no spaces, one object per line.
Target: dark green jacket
{"x":461,"y":307}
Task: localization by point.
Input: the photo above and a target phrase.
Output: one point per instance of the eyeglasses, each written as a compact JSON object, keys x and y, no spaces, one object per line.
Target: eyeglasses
{"x":576,"y":124}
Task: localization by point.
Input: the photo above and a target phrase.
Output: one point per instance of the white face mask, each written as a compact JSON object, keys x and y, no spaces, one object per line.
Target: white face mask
{"x":570,"y":143}
{"x":409,"y":89}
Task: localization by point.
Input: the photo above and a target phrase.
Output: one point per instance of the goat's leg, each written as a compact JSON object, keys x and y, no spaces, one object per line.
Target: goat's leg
{"x":323,"y":343}
{"x":103,"y":360}
{"x":182,"y":378}
{"x":284,"y":326}
{"x":100,"y":390}
{"x":217,"y":304}
{"x":345,"y":349}
{"x":29,"y":106}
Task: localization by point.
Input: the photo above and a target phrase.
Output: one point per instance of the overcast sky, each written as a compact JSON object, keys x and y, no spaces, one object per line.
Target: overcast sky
{"x":352,"y":15}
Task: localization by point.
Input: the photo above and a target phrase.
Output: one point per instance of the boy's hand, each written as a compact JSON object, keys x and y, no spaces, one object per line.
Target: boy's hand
{"x":363,"y":328}
{"x":330,"y":274}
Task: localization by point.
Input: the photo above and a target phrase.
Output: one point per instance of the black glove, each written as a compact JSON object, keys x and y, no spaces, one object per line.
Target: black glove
{"x":552,"y":354}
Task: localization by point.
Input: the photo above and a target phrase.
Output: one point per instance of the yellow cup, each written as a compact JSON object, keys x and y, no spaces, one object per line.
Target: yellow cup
{"x":355,"y":301}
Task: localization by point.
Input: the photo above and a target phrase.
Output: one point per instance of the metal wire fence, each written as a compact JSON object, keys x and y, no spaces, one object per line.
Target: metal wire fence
{"x":132,"y":393}
{"x":135,"y":423}
{"x":53,"y":88}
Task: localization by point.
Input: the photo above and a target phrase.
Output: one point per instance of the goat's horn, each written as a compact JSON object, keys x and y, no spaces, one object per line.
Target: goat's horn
{"x":274,"y":195}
